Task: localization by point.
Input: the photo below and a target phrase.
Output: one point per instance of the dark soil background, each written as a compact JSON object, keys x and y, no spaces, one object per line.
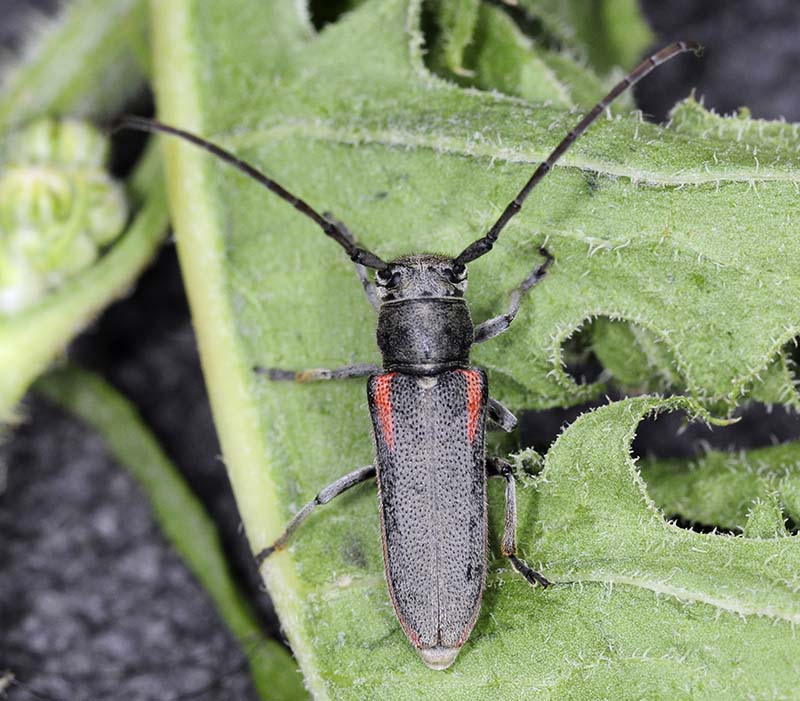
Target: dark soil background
{"x":94,"y":604}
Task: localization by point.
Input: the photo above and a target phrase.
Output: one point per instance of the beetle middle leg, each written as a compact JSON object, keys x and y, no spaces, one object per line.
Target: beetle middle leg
{"x":497,"y":466}
{"x":497,"y":325}
{"x":501,"y":417}
{"x":332,"y":490}
{"x":316,"y":374}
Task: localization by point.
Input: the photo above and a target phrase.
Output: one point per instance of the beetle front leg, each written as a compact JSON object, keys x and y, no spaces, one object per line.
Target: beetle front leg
{"x":331,"y":491}
{"x":317,"y":374}
{"x":361,"y":271}
{"x":509,"y":544}
{"x":494,"y":327}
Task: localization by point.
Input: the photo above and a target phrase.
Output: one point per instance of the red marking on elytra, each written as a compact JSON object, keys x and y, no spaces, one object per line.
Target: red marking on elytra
{"x":383,"y":400}
{"x":474,"y":401}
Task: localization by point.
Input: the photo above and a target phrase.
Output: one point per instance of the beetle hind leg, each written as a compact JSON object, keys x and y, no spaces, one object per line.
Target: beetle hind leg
{"x":332,"y":490}
{"x":509,"y":544}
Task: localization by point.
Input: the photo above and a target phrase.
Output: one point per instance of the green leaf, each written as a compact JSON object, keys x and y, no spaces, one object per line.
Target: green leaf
{"x":721,"y":610}
{"x":479,"y":45}
{"x":645,"y":359}
{"x":609,"y":33}
{"x":723,"y":489}
{"x":648,"y":225}
{"x":84,"y":62}
{"x":180,"y":515}
{"x":457,"y":20}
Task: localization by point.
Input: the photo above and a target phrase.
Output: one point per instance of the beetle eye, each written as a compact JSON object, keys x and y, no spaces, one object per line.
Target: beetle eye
{"x":457,"y":273}
{"x":387,"y":277}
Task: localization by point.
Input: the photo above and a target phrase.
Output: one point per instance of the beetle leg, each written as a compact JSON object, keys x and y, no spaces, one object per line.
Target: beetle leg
{"x":497,"y":325}
{"x":361,"y":271}
{"x":509,"y":544}
{"x":368,"y":285}
{"x":316,"y":374}
{"x":332,"y":490}
{"x":501,"y":417}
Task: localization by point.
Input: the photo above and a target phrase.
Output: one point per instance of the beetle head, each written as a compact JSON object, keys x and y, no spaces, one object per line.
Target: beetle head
{"x":421,"y":275}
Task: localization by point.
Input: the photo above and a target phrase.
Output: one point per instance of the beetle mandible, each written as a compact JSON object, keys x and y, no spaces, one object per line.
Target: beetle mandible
{"x":429,"y":409}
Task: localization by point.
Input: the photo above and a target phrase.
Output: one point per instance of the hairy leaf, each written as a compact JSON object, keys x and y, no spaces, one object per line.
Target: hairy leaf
{"x":647,"y":224}
{"x":609,"y":33}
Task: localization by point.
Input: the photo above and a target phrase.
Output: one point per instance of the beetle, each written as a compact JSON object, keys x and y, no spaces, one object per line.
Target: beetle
{"x":429,"y":409}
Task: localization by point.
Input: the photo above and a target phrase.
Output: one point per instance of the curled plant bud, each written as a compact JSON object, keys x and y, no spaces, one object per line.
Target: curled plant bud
{"x":58,"y":208}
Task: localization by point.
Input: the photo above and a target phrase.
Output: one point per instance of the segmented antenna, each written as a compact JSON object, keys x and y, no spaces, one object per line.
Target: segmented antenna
{"x":483,"y":245}
{"x":358,"y":255}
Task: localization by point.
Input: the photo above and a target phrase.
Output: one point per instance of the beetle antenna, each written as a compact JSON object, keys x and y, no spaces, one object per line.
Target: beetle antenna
{"x":483,"y":245}
{"x":362,"y":256}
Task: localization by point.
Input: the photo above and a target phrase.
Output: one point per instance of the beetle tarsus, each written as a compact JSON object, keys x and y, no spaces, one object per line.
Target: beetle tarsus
{"x":530,"y":574}
{"x":264,"y":554}
{"x":275,"y":374}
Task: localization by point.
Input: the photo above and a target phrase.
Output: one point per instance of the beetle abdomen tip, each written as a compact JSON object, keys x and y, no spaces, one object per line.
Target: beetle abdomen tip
{"x":438,"y":658}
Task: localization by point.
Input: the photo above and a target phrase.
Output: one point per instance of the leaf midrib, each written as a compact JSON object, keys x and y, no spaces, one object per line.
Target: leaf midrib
{"x":326,"y":131}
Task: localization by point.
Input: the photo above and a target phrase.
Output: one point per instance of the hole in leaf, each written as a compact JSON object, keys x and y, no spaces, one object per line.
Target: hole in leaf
{"x":327,"y":11}
{"x":676,"y":520}
{"x":676,"y":435}
{"x":779,"y":382}
{"x":738,"y":479}
{"x":792,"y":354}
{"x":580,"y":360}
{"x":630,"y":356}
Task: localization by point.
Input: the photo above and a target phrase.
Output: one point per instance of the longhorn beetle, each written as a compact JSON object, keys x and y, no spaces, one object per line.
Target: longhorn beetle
{"x":429,"y":409}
